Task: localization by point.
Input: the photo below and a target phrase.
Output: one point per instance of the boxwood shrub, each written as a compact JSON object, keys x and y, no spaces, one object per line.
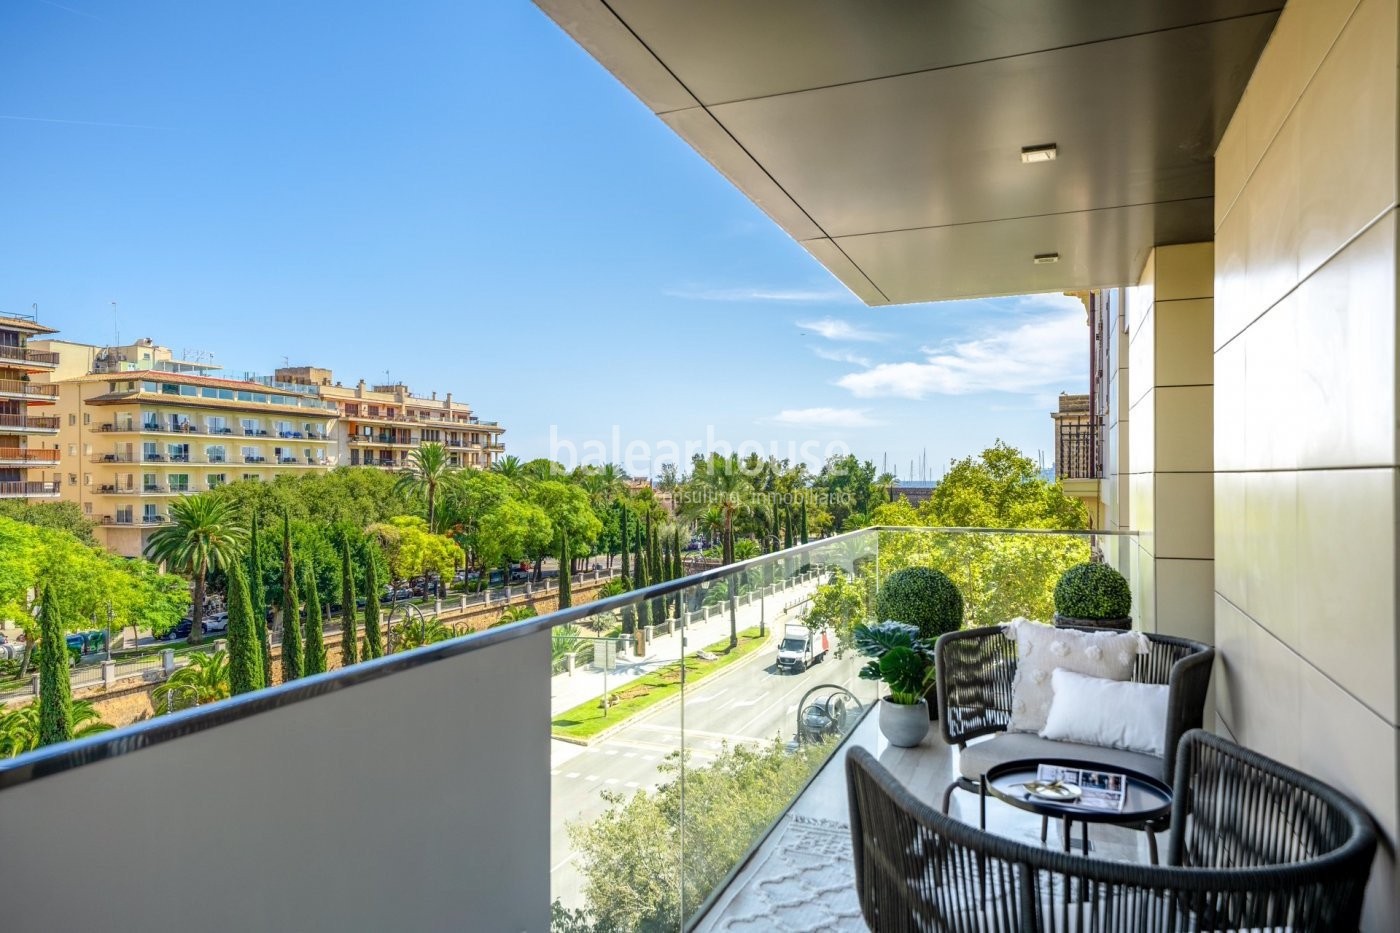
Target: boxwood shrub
{"x":1093,"y":591}
{"x":922,"y":597}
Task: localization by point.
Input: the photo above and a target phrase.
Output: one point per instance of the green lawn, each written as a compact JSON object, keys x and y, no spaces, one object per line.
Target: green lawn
{"x":588,"y":719}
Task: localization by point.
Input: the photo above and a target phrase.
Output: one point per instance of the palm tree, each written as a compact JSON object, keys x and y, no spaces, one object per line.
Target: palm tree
{"x":727,"y":488}
{"x":204,"y":533}
{"x":512,"y":468}
{"x":428,"y":467}
{"x":19,"y":729}
{"x":204,"y":680}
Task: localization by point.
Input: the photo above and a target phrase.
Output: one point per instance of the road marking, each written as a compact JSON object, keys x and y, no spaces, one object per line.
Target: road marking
{"x":591,"y":777}
{"x":629,"y":754}
{"x":633,"y":784}
{"x":566,"y":861}
{"x":746,"y":702}
{"x":790,"y":710}
{"x":612,"y":781}
{"x":571,"y":774}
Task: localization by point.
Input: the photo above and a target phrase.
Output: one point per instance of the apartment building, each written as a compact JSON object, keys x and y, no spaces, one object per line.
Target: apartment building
{"x":28,"y":457}
{"x":380,"y":425}
{"x":139,"y":430}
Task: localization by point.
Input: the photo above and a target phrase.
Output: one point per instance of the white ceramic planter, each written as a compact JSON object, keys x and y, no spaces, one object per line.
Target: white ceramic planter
{"x":904,"y":725}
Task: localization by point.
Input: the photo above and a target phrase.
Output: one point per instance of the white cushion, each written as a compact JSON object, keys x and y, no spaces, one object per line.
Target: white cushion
{"x":1042,"y":649}
{"x":1111,"y":713}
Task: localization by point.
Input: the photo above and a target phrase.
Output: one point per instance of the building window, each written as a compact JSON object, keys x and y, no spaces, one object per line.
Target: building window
{"x":148,"y":512}
{"x":252,"y":455}
{"x":179,"y":482}
{"x":72,"y":420}
{"x":87,"y":450}
{"x":215,"y":453}
{"x":217,"y":424}
{"x":148,"y":482}
{"x":87,"y":479}
{"x":87,"y":417}
{"x":72,"y":450}
{"x":87,"y":508}
{"x":250,"y":426}
{"x":72,"y":479}
{"x":217,"y":479}
{"x":252,"y":476}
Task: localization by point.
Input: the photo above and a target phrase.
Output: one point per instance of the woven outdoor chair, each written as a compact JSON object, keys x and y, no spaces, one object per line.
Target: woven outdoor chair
{"x":977,"y":666}
{"x":1255,"y":846}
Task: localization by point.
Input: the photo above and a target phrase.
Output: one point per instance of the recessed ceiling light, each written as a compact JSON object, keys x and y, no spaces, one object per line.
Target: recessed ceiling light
{"x":1045,"y":153}
{"x":1044,"y":259}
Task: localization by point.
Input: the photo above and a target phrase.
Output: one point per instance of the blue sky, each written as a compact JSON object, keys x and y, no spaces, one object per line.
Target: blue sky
{"x":458,"y":194}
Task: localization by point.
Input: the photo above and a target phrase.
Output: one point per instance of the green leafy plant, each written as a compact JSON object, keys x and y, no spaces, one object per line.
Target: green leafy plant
{"x":1093,"y":591}
{"x":898,"y":656}
{"x":19,"y":728}
{"x":204,"y":680}
{"x":922,"y":597}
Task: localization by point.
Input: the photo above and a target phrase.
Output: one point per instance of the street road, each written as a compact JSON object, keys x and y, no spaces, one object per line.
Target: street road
{"x":752,"y":704}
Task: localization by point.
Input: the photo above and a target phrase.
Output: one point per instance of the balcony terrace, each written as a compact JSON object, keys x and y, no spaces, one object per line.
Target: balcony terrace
{"x":33,"y":393}
{"x":25,"y":358}
{"x":28,"y":424}
{"x":25,"y":456}
{"x":29,"y":489}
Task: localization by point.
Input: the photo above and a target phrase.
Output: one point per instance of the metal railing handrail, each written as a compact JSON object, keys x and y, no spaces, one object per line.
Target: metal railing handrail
{"x":57,"y":758}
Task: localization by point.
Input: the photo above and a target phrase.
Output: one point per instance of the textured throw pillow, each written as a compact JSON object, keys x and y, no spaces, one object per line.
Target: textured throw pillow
{"x":1042,"y":649}
{"x":1111,"y":713}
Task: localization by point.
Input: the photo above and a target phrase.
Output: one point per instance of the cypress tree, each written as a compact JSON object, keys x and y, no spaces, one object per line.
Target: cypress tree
{"x":349,"y":637}
{"x":245,"y":670}
{"x":787,"y":526}
{"x":629,"y":623}
{"x":654,"y":571}
{"x":291,"y":612}
{"x":643,"y":611}
{"x":676,"y":571}
{"x":374,"y":644}
{"x":314,"y":648}
{"x":804,"y":521}
{"x":257,"y":599}
{"x":55,"y":692}
{"x":566,"y":583}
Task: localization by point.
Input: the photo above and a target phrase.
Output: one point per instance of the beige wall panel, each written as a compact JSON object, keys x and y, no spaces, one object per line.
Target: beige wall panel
{"x":1272,"y":198}
{"x":1229,"y":407}
{"x":1346,"y":362}
{"x":1346,"y":744}
{"x":1142,"y":508}
{"x":1187,"y":609}
{"x":1144,"y":583}
{"x":1232,"y":303}
{"x":1184,"y":507}
{"x":1347,"y":169}
{"x":1185,"y":271}
{"x":1270,"y":375}
{"x":1346,"y":581}
{"x":1258,"y":686}
{"x":1183,"y":337}
{"x":1269,"y":560}
{"x":1142,"y":438}
{"x":1230,"y":169}
{"x":1232,"y":539}
{"x":1182,"y":427}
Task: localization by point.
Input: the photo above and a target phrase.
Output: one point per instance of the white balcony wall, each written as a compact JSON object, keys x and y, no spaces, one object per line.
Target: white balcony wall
{"x":409,"y":802}
{"x":1305,"y":411}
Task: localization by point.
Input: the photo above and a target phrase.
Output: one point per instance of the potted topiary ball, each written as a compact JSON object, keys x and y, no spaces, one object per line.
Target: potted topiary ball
{"x":924,"y":598}
{"x":1093,"y":595}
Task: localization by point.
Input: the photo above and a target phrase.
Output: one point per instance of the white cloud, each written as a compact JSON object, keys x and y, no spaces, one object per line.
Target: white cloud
{"x":1036,"y":356}
{"x":836,"y":329}
{"x":841,"y":356}
{"x":796,"y":295}
{"x":825,"y":418}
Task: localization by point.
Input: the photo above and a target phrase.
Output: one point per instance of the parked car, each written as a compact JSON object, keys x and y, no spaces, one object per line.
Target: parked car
{"x":181,"y":630}
{"x":218,"y":622}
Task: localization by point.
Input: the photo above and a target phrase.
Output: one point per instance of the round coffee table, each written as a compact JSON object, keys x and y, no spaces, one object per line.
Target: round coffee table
{"x":1146,"y":802}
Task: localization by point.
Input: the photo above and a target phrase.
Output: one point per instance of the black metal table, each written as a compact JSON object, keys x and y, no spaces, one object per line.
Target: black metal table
{"x":1146,"y":803}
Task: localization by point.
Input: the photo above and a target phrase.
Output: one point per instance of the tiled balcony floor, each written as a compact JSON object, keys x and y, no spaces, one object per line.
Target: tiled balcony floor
{"x":802,"y":879}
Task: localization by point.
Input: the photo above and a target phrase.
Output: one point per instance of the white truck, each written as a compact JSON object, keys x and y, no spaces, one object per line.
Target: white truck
{"x":802,"y":647}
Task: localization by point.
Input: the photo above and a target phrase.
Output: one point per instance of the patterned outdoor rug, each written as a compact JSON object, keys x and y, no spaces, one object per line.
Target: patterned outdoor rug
{"x":804,"y":882}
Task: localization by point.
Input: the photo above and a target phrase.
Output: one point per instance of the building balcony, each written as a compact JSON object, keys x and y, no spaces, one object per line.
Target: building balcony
{"x":25,"y":358}
{"x":26,"y":457}
{"x":29,"y":489}
{"x":33,"y":393}
{"x":132,"y":521}
{"x":28,"y":424}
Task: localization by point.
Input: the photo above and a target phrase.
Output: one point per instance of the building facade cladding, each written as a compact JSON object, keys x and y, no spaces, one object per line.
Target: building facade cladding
{"x":29,"y":462}
{"x":380,"y":425}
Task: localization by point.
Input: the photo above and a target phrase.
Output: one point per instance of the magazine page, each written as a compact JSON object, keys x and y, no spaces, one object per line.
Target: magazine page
{"x":1099,"y":790}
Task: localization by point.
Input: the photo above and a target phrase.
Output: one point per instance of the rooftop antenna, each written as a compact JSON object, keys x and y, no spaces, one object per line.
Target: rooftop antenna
{"x":34,"y":306}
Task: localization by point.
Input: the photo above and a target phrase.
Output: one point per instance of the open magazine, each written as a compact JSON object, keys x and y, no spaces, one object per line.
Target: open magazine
{"x":1098,"y":790}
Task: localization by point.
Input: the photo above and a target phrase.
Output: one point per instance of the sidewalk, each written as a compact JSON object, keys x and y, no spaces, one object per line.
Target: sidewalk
{"x":585,"y":683}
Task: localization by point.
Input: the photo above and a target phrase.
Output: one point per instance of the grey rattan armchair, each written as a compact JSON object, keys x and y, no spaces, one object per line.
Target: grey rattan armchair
{"x":977,"y":666}
{"x":1255,"y":845}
